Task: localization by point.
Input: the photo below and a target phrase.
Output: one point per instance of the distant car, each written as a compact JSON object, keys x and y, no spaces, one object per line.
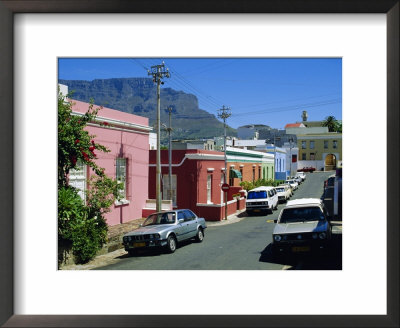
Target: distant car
{"x":298,"y":179}
{"x":293,"y":183}
{"x":302,"y":226}
{"x":307,"y":169}
{"x":284,"y":192}
{"x":165,"y":230}
{"x":261,"y":199}
{"x":302,"y":175}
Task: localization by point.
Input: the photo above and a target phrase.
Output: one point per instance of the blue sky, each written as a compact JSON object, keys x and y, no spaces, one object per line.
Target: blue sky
{"x":271,"y":91}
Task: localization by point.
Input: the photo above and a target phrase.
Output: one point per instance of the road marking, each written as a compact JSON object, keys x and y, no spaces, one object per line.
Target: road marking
{"x":286,"y":267}
{"x":270,"y":221}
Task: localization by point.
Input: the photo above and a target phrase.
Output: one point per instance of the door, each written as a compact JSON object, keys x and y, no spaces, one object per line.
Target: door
{"x":183,"y":227}
{"x":191,"y":223}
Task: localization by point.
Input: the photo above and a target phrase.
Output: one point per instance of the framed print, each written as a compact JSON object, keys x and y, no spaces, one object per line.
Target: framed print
{"x":363,"y":294}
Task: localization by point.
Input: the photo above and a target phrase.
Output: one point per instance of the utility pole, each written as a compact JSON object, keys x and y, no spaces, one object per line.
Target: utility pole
{"x":158,"y":72}
{"x":290,"y":144}
{"x":224,"y":113}
{"x":169,"y":129}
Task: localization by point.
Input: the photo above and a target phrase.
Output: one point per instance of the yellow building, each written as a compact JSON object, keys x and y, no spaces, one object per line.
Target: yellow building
{"x":323,"y":151}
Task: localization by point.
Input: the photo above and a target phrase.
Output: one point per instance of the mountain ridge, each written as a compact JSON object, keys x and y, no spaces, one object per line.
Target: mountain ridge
{"x":139,"y":96}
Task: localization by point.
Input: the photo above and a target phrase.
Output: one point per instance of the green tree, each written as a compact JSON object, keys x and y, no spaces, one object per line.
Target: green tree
{"x":82,"y":227}
{"x":333,"y":124}
{"x":75,"y":143}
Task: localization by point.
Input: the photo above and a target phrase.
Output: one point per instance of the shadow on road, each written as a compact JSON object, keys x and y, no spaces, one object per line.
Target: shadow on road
{"x":328,"y":259}
{"x":157,"y":251}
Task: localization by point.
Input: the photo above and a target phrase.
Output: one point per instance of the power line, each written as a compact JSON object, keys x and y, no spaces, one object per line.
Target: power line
{"x":289,"y":108}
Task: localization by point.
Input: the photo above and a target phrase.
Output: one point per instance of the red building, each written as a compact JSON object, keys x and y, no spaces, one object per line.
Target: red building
{"x":197,"y":176}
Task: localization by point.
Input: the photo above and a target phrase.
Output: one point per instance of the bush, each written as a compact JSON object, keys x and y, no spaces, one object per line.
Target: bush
{"x":248,"y":185}
{"x":83,"y":233}
{"x":70,"y":209}
{"x":88,"y":236}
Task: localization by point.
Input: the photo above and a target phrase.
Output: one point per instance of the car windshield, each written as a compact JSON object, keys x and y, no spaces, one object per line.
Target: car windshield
{"x":257,"y":194}
{"x":280,"y":189}
{"x":301,"y":214}
{"x":160,"y":218}
{"x":290,"y":181}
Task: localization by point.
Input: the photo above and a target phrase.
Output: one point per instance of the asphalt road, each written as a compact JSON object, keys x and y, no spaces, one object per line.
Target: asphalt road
{"x":244,"y":245}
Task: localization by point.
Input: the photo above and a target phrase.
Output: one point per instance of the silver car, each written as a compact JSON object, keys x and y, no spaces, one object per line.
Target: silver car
{"x":165,"y":229}
{"x":302,"y":226}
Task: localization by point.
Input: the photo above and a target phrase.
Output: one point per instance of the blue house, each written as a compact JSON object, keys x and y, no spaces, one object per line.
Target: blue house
{"x":280,"y":161}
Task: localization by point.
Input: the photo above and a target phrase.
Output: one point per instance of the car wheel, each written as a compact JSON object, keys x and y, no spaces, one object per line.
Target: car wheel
{"x":199,"y":235}
{"x":171,"y":244}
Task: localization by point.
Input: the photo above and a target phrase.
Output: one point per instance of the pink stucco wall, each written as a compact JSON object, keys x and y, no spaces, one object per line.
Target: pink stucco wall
{"x":132,"y":144}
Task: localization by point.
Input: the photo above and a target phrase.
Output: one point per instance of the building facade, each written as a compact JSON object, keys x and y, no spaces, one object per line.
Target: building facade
{"x":197,"y":176}
{"x":280,"y":161}
{"x":321,"y":151}
{"x":252,"y":165}
{"x":127,"y":137}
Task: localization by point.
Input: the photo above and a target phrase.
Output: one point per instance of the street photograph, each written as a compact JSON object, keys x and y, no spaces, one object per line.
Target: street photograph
{"x":199,"y":163}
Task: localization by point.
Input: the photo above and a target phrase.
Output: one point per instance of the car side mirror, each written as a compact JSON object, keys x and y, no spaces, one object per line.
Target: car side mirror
{"x":181,"y":220}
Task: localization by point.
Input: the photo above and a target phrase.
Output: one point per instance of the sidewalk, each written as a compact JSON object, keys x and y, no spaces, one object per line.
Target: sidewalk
{"x":233,"y":218}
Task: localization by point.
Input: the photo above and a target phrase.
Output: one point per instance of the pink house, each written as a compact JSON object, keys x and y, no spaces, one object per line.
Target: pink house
{"x":127,"y":136}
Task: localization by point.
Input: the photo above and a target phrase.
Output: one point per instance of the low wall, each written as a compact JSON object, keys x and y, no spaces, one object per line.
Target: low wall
{"x":216,"y":212}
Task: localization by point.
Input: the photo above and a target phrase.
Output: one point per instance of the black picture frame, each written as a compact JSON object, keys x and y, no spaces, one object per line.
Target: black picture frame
{"x":11,"y":7}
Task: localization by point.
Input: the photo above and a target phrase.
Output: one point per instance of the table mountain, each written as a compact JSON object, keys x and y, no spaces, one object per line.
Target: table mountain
{"x":139,"y":96}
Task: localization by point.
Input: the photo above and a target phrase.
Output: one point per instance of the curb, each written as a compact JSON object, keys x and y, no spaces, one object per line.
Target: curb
{"x":233,"y":218}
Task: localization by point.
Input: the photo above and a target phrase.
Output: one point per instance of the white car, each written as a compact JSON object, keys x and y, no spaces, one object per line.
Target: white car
{"x":302,"y":175}
{"x":261,"y":199}
{"x":293,"y":184}
{"x":284,"y":192}
{"x":302,"y":226}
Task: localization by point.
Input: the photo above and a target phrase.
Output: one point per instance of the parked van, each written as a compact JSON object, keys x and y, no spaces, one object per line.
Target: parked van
{"x":261,"y":199}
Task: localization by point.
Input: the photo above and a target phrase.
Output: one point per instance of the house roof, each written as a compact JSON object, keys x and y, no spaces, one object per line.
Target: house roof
{"x":294,"y":125}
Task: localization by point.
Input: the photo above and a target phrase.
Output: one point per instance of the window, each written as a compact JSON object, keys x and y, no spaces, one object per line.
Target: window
{"x":77,"y":178}
{"x":121,"y":175}
{"x":241,"y":172}
{"x":254,"y":174}
{"x":259,"y":172}
{"x":303,"y":145}
{"x":257,"y":194}
{"x":189,"y":215}
{"x":312,"y":157}
{"x":166,"y":190}
{"x":209,"y":188}
{"x":335,"y":144}
{"x":312,"y":144}
{"x":325,"y":144}
{"x":303,"y":156}
{"x":231,"y":178}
